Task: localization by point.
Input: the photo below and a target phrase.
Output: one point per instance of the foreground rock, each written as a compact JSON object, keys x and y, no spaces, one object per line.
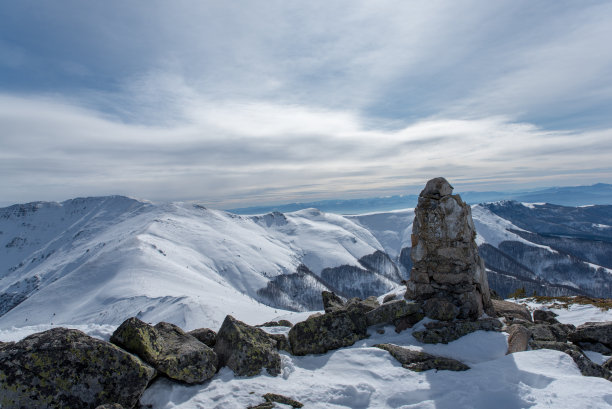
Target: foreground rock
{"x":421,"y":361}
{"x":510,"y":310}
{"x":322,"y":333}
{"x":595,"y":336}
{"x":446,"y":265}
{"x":275,"y":397}
{"x":518,"y":338}
{"x":246,"y":349}
{"x":168,"y":349}
{"x":332,"y":302}
{"x":65,"y":368}
{"x":444,"y":331}
{"x":205,"y":335}
{"x":391,"y":312}
{"x":544,"y":316}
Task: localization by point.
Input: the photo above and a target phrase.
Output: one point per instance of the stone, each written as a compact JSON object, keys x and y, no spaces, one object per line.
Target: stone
{"x":246,"y":349}
{"x":168,"y":349}
{"x":608,"y":364}
{"x":275,"y":397}
{"x":281,"y":323}
{"x":511,"y":310}
{"x":595,"y":346}
{"x":518,"y":338}
{"x":408,"y":321}
{"x":331,"y":302}
{"x":584,"y":364}
{"x":544,"y":316}
{"x":444,"y":331}
{"x":364,"y":306}
{"x":265,"y":405}
{"x":421,"y":361}
{"x":110,"y":406}
{"x":67,"y":368}
{"x":326,"y":332}
{"x":282,"y":343}
{"x":205,"y":335}
{"x":388,"y":298}
{"x":391,"y":312}
{"x":444,"y":254}
{"x":440,"y":309}
{"x":595,"y":332}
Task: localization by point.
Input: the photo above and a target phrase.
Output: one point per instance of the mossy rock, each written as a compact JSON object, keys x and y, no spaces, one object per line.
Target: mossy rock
{"x":65,"y":368}
{"x":319,"y":334}
{"x":246,"y":349}
{"x":205,"y":335}
{"x":168,"y":349}
{"x":446,"y":331}
{"x":391,"y":312}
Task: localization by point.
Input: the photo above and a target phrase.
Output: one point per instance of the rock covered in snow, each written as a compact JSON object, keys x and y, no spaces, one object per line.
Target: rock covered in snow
{"x":168,"y":348}
{"x":246,"y":350}
{"x":422,"y":361}
{"x":67,"y":368}
{"x":446,"y":264}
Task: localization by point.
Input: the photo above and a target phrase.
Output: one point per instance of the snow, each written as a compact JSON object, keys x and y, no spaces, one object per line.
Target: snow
{"x":532,"y":205}
{"x":363,"y":376}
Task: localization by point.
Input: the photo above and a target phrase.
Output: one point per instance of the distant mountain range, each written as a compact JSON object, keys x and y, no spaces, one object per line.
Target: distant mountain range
{"x":101,"y":260}
{"x":600,"y":193}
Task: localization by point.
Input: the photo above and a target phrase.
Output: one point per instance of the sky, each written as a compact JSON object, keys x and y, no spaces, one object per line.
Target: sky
{"x":256,"y":102}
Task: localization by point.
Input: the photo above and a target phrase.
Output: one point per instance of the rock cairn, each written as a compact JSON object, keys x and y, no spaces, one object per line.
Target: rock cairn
{"x":448,"y":276}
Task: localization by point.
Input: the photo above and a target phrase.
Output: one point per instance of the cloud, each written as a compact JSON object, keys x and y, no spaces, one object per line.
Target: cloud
{"x":246,"y":152}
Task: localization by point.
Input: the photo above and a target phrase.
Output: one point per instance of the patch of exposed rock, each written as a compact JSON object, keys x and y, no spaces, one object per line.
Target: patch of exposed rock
{"x":518,"y":338}
{"x":392,"y":312}
{"x":594,"y":336}
{"x":275,"y":397}
{"x":419,"y":361}
{"x":446,"y":265}
{"x":437,"y":332}
{"x":168,"y":349}
{"x":67,"y":368}
{"x":205,"y":335}
{"x":584,"y":364}
{"x":246,"y":350}
{"x":511,"y":310}
{"x":544,"y":316}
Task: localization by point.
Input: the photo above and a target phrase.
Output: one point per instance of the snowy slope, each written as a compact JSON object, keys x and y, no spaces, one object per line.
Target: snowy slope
{"x":101,"y":260}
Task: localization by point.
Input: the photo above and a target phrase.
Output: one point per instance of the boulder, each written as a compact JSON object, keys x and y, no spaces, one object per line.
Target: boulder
{"x":391,"y":312}
{"x":110,"y":406}
{"x":444,"y":331}
{"x":444,"y":254}
{"x":282,"y":343}
{"x":584,"y":364}
{"x":67,"y":368}
{"x":419,"y":361}
{"x":281,"y":323}
{"x":595,"y":346}
{"x":205,"y":335}
{"x":168,"y":349}
{"x":407,"y":321}
{"x":388,"y":298}
{"x":357,"y":304}
{"x":331,"y":302}
{"x":608,"y":364}
{"x":246,"y":349}
{"x":319,"y":334}
{"x":544,"y":316}
{"x":511,"y":310}
{"x":440,"y":309}
{"x":518,"y":338}
{"x":594,"y":332}
{"x":275,"y":397}
{"x":547,"y":332}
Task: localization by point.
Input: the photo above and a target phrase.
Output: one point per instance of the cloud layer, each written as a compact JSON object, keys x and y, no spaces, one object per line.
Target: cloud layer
{"x":252,"y":102}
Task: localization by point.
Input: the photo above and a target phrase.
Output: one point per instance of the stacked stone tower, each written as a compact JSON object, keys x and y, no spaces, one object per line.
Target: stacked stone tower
{"x":448,"y":276}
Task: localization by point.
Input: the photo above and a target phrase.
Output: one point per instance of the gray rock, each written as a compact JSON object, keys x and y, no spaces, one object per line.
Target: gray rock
{"x":444,"y":254}
{"x":593,"y":332}
{"x":275,"y":397}
{"x":67,"y":368}
{"x":408,"y":321}
{"x":205,"y":335}
{"x":281,"y":323}
{"x":547,"y":332}
{"x":331,"y":302}
{"x":584,"y":364}
{"x":168,"y":349}
{"x":545,"y":316}
{"x":608,"y":364}
{"x":364,"y":306}
{"x":246,"y":349}
{"x":595,"y":346}
{"x":265,"y":405}
{"x":440,"y":309}
{"x":510,"y":310}
{"x":282,"y":343}
{"x":388,"y":298}
{"x":421,"y":361}
{"x":518,"y":338}
{"x":444,"y":332}
{"x":391,"y":312}
{"x":319,"y":334}
{"x":110,"y":406}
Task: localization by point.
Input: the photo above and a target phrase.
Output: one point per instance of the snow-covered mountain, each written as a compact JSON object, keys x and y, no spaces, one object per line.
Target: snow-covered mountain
{"x":101,"y":260}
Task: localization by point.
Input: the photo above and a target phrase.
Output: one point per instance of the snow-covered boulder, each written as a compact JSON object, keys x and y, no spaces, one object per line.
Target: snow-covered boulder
{"x":168,"y":349}
{"x":67,"y":368}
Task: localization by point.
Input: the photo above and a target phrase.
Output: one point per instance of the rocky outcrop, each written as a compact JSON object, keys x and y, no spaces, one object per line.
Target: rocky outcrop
{"x":518,"y":338}
{"x":446,"y":331}
{"x":511,"y":310}
{"x":279,"y":323}
{"x":246,"y":350}
{"x":591,"y":334}
{"x":331,"y":301}
{"x":168,"y":349}
{"x":544,"y":316}
{"x":419,"y":361}
{"x":391,"y":312}
{"x":548,"y":332}
{"x":205,"y":335}
{"x":67,"y":368}
{"x":322,"y":333}
{"x":446,"y":264}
